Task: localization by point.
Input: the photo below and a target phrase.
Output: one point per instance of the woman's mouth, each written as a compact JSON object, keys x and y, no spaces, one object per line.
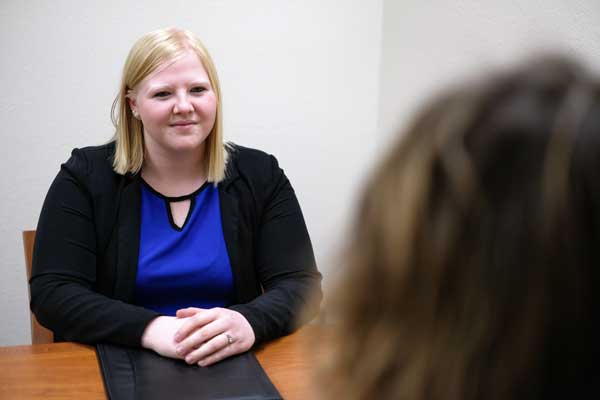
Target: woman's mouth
{"x":183,"y":124}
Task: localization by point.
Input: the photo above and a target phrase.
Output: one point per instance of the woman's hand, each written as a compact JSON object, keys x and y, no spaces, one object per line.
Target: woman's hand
{"x":209,"y":336}
{"x":159,"y":334}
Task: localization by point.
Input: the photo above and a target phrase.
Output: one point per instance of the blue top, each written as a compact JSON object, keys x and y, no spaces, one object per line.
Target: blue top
{"x":185,"y":266}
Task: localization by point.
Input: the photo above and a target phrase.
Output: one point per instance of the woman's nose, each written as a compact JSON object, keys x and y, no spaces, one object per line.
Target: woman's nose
{"x":182,"y":105}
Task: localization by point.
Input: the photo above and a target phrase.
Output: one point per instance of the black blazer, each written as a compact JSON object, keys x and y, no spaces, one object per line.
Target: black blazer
{"x":87,"y":244}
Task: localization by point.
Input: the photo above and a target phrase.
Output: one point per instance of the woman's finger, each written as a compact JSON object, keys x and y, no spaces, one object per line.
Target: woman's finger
{"x":227,"y":351}
{"x":201,"y":336}
{"x":213,"y":346}
{"x":194,"y":322}
{"x":188,"y":312}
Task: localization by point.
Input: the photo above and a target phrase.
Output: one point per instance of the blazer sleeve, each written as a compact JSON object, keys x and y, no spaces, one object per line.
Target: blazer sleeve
{"x":63,"y":280}
{"x":284,"y":262}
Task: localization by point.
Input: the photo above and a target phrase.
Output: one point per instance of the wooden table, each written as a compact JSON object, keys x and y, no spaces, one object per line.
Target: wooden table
{"x":71,"y":371}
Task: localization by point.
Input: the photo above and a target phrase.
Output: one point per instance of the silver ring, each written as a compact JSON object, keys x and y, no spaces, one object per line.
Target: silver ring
{"x":229,"y":338}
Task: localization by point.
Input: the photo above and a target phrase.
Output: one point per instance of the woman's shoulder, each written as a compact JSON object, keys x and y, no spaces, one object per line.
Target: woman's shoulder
{"x":239,"y":153}
{"x":249,"y":162}
{"x":91,"y":161}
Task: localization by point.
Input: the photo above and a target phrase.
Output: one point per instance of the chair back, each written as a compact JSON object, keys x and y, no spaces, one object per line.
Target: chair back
{"x":39,"y":334}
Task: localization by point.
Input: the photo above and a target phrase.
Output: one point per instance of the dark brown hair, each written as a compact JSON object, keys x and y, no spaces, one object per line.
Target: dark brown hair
{"x":472,"y":263}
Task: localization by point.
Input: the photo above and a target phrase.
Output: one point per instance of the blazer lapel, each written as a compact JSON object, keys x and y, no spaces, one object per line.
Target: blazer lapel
{"x":128,"y":225}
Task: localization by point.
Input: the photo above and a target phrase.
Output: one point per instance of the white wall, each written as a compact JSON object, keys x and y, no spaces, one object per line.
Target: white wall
{"x":430,"y":44}
{"x":306,"y":80}
{"x":299,"y":80}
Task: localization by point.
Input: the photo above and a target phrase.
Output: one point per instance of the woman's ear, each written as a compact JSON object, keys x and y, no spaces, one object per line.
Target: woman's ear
{"x":132,"y":104}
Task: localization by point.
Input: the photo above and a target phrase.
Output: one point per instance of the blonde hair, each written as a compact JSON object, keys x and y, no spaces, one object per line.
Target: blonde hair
{"x":146,"y":55}
{"x":472,"y":265}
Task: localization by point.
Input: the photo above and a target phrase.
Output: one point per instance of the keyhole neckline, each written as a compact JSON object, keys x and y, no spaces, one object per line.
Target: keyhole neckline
{"x":174,"y":199}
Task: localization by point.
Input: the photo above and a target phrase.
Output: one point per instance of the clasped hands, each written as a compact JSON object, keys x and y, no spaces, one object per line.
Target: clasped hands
{"x":199,"y":336}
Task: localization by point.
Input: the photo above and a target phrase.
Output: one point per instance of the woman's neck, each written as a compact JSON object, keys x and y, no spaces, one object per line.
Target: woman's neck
{"x":174,"y":175}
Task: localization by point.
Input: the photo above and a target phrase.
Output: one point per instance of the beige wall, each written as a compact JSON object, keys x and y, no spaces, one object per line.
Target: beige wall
{"x":431,"y":44}
{"x":321,"y":84}
{"x":299,"y":80}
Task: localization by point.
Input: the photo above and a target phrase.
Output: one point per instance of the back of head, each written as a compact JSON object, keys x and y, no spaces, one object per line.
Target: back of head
{"x":471,"y":266}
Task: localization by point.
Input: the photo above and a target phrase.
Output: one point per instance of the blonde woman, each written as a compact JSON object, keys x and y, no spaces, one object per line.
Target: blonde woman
{"x":473,"y":267}
{"x":165,"y":237}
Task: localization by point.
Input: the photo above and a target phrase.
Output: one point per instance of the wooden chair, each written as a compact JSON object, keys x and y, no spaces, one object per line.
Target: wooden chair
{"x":39,"y":334}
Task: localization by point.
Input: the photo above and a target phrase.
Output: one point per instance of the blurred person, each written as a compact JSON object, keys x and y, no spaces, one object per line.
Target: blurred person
{"x":474,"y":254}
{"x":167,"y":238}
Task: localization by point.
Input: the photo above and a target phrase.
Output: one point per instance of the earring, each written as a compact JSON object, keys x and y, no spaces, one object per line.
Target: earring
{"x":135,"y":114}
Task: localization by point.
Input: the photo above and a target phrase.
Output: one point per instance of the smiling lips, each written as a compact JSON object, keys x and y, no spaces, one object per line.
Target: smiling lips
{"x":183,"y":123}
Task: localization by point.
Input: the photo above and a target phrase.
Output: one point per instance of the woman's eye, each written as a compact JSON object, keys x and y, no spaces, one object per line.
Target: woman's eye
{"x":161,"y":94}
{"x":198,"y":89}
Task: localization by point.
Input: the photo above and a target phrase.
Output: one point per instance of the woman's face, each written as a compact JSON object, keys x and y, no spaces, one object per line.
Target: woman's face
{"x":177,"y":106}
